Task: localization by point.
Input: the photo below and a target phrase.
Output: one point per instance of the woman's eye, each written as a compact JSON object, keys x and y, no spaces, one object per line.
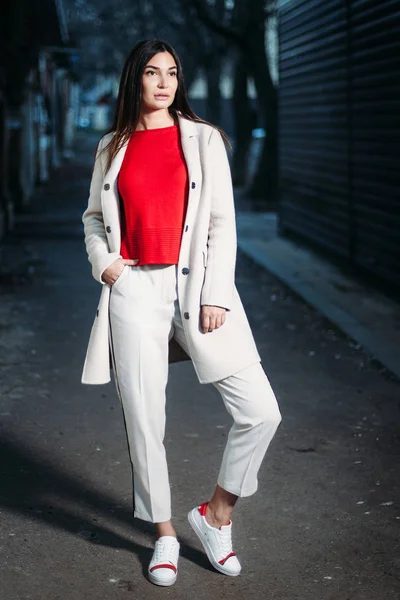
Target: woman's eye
{"x":151,"y":72}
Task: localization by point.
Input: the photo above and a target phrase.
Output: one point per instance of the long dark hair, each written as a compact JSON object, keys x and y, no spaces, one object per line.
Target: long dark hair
{"x":129,"y":99}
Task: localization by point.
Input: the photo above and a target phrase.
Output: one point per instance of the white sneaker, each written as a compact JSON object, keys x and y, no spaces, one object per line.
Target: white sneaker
{"x":217,"y":541}
{"x":163,"y":567}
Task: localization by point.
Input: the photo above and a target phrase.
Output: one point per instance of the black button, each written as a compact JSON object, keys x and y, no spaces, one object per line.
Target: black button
{"x":97,"y":313}
{"x":107,"y":186}
{"x":186,"y":315}
{"x":185,"y":271}
{"x":108,"y":229}
{"x":193,"y":185}
{"x":187,"y":227}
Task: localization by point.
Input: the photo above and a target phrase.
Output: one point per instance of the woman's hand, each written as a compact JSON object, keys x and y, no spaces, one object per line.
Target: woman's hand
{"x":212,"y":317}
{"x":111,"y":274}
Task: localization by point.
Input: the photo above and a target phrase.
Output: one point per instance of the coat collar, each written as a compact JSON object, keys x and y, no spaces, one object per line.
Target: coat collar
{"x":190,"y":149}
{"x":187,"y":128}
{"x":188,"y":133}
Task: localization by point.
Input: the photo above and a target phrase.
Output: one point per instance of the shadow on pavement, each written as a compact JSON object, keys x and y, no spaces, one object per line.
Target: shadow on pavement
{"x":35,"y":488}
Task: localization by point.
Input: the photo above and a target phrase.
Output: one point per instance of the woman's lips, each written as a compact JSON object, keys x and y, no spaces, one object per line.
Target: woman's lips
{"x":162,"y":96}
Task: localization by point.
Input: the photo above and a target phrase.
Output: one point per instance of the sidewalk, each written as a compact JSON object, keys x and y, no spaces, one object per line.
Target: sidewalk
{"x":362,"y":312}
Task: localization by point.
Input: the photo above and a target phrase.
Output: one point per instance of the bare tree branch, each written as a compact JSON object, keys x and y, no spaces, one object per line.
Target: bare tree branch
{"x":203,"y":14}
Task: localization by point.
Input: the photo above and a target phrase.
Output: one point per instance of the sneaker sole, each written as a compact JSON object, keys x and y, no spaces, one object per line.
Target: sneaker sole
{"x":162,"y":583}
{"x":210,"y":557}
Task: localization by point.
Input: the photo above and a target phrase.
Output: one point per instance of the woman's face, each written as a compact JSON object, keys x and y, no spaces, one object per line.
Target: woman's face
{"x":159,"y":82}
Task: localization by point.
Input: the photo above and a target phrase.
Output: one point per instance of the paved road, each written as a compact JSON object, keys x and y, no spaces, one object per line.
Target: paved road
{"x":324,"y":523}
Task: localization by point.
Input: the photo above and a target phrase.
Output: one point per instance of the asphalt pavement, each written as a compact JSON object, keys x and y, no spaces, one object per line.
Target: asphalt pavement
{"x":324,"y":523}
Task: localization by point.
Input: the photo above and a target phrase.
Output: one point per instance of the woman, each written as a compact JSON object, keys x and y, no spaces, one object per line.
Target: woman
{"x":160,"y":235}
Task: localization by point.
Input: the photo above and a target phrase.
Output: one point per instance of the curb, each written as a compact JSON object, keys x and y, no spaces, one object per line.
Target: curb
{"x":382,"y":350}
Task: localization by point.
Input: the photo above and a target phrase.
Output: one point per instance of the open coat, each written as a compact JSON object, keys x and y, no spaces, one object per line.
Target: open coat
{"x":208,"y":250}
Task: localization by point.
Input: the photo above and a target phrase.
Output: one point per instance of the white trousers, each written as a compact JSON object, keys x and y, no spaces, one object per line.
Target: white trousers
{"x":144,"y":315}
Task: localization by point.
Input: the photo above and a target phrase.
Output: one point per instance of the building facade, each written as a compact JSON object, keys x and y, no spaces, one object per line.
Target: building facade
{"x":339,"y":128}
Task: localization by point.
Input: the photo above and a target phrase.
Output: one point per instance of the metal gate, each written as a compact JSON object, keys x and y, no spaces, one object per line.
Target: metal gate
{"x":339,"y":129}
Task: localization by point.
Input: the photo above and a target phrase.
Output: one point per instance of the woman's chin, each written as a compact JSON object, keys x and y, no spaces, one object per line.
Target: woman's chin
{"x":158,"y":104}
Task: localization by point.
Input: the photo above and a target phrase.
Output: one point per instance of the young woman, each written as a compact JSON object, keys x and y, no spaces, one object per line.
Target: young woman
{"x":161,"y":237}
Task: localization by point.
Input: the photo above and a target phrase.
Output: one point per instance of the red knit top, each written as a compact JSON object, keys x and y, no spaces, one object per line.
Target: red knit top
{"x":153,"y":186}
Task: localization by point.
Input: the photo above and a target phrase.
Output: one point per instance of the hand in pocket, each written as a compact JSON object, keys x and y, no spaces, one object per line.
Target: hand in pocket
{"x":111,"y":274}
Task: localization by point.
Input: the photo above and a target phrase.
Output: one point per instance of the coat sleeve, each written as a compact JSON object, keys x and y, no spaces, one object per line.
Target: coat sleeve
{"x":219,"y":279}
{"x":99,"y":254}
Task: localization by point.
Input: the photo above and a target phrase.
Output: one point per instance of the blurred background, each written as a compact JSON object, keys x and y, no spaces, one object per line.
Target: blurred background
{"x":307,"y":90}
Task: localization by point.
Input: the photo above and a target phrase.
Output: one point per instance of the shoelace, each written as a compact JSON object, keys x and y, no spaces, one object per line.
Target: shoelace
{"x":160,"y":549}
{"x":225,"y":541}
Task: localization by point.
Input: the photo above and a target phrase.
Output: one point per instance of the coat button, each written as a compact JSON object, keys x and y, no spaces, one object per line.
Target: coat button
{"x":185,"y":271}
{"x":187,"y":227}
{"x":108,"y":229}
{"x":107,"y":186}
{"x":193,"y":185}
{"x":186,"y":315}
{"x":97,"y":313}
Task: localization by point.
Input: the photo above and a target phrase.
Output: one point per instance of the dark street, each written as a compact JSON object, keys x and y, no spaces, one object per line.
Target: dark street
{"x":324,"y":523}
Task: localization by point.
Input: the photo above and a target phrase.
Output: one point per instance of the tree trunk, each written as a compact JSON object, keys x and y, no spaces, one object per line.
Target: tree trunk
{"x":6,"y":207}
{"x":263,"y":188}
{"x":190,"y":69}
{"x":213,"y":75}
{"x":243,"y":122}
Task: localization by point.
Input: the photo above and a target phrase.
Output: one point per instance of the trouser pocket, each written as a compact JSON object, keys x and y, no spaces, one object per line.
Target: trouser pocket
{"x":118,"y":281}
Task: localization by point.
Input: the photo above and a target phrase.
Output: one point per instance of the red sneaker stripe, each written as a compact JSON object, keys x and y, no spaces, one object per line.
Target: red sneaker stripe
{"x":203,"y":508}
{"x":223,"y":561}
{"x":164,"y":566}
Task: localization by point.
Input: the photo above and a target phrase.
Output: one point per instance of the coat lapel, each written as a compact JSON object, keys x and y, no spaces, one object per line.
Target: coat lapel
{"x":188,"y":133}
{"x":189,"y":144}
{"x":110,"y":201}
{"x":190,"y":148}
{"x":189,"y":141}
{"x":112,"y":173}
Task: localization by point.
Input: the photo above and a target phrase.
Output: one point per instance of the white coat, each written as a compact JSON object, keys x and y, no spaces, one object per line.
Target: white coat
{"x":208,"y":250}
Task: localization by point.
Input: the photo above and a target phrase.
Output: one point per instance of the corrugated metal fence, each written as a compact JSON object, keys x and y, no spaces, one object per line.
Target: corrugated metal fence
{"x":340,"y":129}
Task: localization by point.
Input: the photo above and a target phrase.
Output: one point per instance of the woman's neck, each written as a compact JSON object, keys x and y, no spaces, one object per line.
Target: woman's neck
{"x":155,"y":121}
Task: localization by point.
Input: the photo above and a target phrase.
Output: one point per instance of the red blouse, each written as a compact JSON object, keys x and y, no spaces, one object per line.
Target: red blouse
{"x":153,"y":186}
